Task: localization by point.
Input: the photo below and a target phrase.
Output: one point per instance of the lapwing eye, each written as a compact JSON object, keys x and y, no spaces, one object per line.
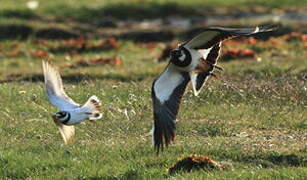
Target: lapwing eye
{"x":176,"y":53}
{"x":181,"y":57}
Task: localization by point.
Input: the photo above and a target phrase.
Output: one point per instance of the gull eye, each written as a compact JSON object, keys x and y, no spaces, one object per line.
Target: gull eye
{"x":62,"y":114}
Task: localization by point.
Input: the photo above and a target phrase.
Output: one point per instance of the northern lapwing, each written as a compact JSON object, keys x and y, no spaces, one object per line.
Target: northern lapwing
{"x":70,"y":113}
{"x":192,"y":61}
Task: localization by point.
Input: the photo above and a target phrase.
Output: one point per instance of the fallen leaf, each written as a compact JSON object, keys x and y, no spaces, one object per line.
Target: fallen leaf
{"x":194,"y":162}
{"x":252,"y":40}
{"x":293,"y":36}
{"x":149,"y":45}
{"x":13,"y":53}
{"x":40,"y":54}
{"x":115,"y":61}
{"x":109,"y":43}
{"x":238,"y":54}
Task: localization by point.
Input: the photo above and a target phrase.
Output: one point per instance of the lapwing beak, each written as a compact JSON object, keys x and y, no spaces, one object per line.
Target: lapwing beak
{"x":175,"y":53}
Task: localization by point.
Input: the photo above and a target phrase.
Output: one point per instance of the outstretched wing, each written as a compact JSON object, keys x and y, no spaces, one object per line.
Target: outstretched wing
{"x":213,"y":35}
{"x":205,"y":68}
{"x":209,"y":44}
{"x":54,"y":89}
{"x":167,"y":91}
{"x":67,"y":132}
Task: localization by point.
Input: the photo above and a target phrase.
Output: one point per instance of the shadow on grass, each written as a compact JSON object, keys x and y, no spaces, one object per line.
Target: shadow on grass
{"x":75,"y":78}
{"x":108,"y":16}
{"x":130,"y":174}
{"x":149,"y":36}
{"x":55,"y":33}
{"x":274,"y":159}
{"x":19,"y":31}
{"x":15,"y":31}
{"x":137,"y":11}
{"x":20,"y":14}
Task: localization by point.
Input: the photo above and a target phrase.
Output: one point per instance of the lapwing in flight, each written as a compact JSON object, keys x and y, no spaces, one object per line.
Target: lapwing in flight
{"x":70,"y":113}
{"x":192,"y":61}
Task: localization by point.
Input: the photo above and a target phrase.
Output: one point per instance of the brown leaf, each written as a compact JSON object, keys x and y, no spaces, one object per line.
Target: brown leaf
{"x":109,"y":43}
{"x":13,"y":53}
{"x":238,"y":54}
{"x":252,"y":40}
{"x":293,"y":36}
{"x":115,"y":61}
{"x":194,"y":162}
{"x":40,"y":54}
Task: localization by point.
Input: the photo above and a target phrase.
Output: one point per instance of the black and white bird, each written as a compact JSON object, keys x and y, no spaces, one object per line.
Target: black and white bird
{"x":70,"y":113}
{"x":192,"y":61}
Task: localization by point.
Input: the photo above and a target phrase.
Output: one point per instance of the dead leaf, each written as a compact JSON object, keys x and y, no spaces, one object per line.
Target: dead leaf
{"x":109,"y":43}
{"x":13,"y":53}
{"x":115,"y":61}
{"x":194,"y":162}
{"x":293,"y":36}
{"x":238,"y":54}
{"x":252,"y":40}
{"x":40,"y":54}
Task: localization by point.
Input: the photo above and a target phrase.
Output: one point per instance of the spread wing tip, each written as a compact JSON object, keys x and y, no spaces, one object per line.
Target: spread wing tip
{"x":163,"y":138}
{"x":67,"y":132}
{"x":268,"y":28}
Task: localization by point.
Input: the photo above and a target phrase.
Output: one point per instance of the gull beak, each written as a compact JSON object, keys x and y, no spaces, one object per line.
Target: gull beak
{"x":55,"y":117}
{"x":92,"y":120}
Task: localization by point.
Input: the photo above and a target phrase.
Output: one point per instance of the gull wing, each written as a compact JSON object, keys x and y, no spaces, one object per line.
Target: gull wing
{"x":167,"y":91}
{"x":54,"y":89}
{"x":67,"y":132}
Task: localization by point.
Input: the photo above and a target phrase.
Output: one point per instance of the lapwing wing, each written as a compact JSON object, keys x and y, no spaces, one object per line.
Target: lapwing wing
{"x":192,"y":61}
{"x":70,"y":113}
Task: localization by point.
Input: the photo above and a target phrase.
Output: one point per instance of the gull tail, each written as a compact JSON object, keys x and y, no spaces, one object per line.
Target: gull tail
{"x":92,"y":108}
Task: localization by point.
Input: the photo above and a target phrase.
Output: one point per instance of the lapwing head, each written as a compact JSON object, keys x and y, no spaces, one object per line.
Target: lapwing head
{"x":181,"y":57}
{"x":62,"y":117}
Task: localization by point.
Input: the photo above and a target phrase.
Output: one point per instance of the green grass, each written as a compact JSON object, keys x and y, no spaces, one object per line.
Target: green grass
{"x":253,"y":119}
{"x":256,"y":122}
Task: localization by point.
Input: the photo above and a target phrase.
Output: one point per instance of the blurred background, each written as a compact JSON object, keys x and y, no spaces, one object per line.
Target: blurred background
{"x":66,"y":29}
{"x":142,"y":20}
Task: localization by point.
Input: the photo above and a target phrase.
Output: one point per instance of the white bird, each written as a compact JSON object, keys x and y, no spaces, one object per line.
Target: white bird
{"x":70,"y":113}
{"x":192,"y":61}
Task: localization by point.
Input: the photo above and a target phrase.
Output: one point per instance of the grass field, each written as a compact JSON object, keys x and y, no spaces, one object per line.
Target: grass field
{"x":253,"y":119}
